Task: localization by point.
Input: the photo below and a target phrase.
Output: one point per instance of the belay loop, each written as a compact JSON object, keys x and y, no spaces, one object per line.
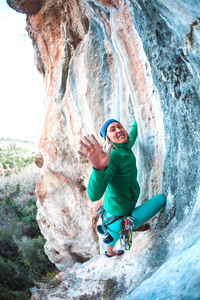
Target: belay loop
{"x":126,"y":232}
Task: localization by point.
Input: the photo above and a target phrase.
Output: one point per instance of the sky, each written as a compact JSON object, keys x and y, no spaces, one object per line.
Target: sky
{"x":21,"y":85}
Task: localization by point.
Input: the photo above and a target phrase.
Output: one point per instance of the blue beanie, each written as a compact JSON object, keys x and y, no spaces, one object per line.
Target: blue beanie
{"x":104,"y":127}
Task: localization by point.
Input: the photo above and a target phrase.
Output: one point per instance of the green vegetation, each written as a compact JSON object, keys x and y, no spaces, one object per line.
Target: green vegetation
{"x":14,"y":156}
{"x":22,"y":258}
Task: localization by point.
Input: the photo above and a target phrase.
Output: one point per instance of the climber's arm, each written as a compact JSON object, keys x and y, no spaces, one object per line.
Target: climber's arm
{"x":133,"y":133}
{"x":100,"y":179}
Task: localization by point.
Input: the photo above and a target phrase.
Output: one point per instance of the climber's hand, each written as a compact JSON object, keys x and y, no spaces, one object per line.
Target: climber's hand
{"x":95,"y":155}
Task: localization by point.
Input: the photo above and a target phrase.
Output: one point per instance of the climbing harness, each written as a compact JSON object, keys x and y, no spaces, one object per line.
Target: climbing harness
{"x":103,"y":229}
{"x":100,"y":210}
{"x":127,"y":223}
{"x":126,"y":232}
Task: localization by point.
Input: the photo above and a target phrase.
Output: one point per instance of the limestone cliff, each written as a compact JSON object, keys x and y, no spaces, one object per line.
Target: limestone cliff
{"x":123,"y":59}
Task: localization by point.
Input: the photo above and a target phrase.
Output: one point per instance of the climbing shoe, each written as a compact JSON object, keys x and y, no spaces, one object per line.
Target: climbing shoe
{"x":115,"y":253}
{"x":142,"y":227}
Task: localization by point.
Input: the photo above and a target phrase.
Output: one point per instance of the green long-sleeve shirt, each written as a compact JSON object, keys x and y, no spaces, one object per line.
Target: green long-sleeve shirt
{"x":119,"y":180}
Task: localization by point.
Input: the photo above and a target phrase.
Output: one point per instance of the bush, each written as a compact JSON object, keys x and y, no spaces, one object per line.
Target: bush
{"x":33,"y":256}
{"x":12,"y":275}
{"x":14,"y":157}
{"x":8,"y":247}
{"x":27,"y":214}
{"x":6,"y":294}
{"x":22,"y":257}
{"x":29,"y":218}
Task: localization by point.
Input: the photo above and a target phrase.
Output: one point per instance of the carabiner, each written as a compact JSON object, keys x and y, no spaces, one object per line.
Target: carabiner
{"x":131,"y":220}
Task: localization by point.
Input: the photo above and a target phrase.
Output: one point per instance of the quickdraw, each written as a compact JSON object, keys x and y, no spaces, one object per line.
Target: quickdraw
{"x":126,"y":232}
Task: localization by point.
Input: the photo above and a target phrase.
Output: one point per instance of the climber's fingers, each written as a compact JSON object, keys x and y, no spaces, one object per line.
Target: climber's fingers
{"x":82,"y":154}
{"x":88,"y":144}
{"x":95,"y":141}
{"x":84,"y":146}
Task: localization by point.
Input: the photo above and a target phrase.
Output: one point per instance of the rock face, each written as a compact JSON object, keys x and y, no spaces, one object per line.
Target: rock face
{"x":126,"y":60}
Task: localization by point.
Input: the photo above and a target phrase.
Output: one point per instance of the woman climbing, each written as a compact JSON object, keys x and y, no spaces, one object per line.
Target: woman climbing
{"x":114,"y":173}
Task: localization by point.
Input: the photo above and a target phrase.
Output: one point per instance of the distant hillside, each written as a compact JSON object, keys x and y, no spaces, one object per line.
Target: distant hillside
{"x":7,"y":139}
{"x":15,"y":155}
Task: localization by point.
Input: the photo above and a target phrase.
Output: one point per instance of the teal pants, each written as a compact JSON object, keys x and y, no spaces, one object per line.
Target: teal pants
{"x":140,"y":214}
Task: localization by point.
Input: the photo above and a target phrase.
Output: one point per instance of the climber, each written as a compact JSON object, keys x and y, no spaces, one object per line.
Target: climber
{"x":114,"y":173}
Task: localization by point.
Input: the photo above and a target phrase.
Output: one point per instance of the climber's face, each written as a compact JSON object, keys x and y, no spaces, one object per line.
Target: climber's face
{"x":116,"y":133}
